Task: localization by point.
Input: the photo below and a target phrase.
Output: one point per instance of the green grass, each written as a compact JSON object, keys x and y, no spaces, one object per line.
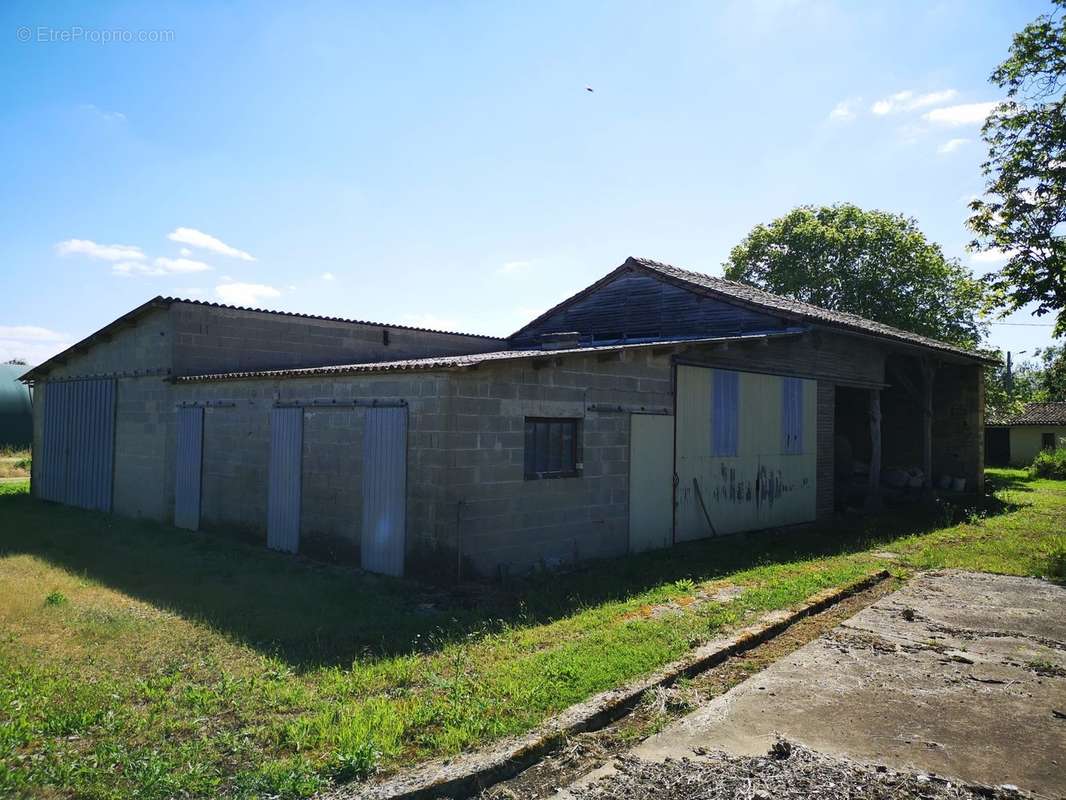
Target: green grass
{"x":137,"y":660}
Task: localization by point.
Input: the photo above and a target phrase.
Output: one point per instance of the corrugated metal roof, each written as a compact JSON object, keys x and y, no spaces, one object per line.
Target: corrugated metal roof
{"x":1038,"y":414}
{"x":750,"y":296}
{"x":472,"y":360}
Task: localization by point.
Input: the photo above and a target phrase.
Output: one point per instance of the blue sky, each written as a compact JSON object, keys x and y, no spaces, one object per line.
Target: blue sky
{"x":442,"y":164}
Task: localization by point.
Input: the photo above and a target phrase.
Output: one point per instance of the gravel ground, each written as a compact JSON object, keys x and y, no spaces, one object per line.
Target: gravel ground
{"x":788,"y":771}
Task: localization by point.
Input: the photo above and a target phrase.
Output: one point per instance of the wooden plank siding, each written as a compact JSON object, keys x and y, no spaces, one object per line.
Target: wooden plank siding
{"x":639,"y":306}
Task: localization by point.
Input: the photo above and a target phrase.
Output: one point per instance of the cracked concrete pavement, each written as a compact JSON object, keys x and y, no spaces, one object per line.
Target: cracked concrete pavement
{"x":958,"y":674}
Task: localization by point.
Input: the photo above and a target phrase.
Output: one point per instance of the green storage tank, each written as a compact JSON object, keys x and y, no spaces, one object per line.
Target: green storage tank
{"x":16,"y":411}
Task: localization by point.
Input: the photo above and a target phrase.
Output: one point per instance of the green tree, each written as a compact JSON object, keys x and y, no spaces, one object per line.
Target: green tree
{"x":1038,"y":380}
{"x":1023,"y":212}
{"x":1053,"y":373}
{"x":1006,"y":396}
{"x":872,"y":263}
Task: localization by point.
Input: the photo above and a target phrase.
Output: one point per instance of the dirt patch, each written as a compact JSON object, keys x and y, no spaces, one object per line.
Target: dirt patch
{"x":588,"y":751}
{"x":787,"y":771}
{"x":720,"y":594}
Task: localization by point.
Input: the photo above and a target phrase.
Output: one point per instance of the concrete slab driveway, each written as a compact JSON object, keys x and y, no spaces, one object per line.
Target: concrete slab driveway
{"x":959,"y":674}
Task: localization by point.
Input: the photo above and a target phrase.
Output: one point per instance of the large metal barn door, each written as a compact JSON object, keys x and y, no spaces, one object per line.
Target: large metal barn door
{"x":77,"y":462}
{"x":188,"y":468}
{"x":651,"y":482}
{"x":384,"y":490}
{"x":283,"y":500}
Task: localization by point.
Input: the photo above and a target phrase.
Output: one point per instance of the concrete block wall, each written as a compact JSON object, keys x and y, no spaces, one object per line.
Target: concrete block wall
{"x":818,"y":354}
{"x":502,"y":522}
{"x":212,"y":339}
{"x":144,"y":345}
{"x":331,"y":513}
{"x":144,"y":448}
{"x":236,"y":460}
{"x":958,"y":424}
{"x":237,"y":454}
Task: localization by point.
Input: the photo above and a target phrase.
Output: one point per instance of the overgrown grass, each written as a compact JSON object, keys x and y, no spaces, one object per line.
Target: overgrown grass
{"x":14,"y":463}
{"x":141,"y":661}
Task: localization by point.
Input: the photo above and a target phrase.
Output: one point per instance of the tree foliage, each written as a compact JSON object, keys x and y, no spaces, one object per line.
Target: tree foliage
{"x":1037,"y":380}
{"x":1006,"y":396}
{"x":1053,"y":373}
{"x":1023,"y":212}
{"x":872,"y":263}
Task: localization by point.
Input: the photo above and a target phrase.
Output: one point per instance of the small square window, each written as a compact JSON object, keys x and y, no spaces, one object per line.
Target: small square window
{"x":1047,"y":441}
{"x":553,"y":448}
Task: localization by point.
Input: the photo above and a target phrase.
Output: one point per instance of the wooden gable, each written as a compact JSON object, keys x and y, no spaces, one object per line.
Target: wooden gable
{"x":638,"y":305}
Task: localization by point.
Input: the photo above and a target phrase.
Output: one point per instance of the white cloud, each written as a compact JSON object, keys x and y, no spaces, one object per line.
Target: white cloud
{"x":245,"y":294}
{"x":431,"y":321}
{"x":181,"y":265}
{"x":126,"y":269}
{"x":31,"y":343}
{"x":30,"y":333}
{"x":844,"y":111}
{"x":160,"y":266}
{"x":206,"y":241}
{"x":103,"y":252}
{"x":909,"y":101}
{"x":965,"y":114}
{"x":991,"y":256}
{"x":514,"y":267}
{"x":328,"y":276}
{"x":185,"y":252}
{"x":951,"y":145}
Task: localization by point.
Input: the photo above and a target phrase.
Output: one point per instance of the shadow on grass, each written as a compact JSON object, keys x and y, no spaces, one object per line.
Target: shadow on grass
{"x":1007,"y":480}
{"x":311,"y":615}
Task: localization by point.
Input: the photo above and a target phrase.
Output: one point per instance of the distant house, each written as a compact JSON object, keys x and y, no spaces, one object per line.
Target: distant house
{"x":1017,"y":440}
{"x":655,"y":406}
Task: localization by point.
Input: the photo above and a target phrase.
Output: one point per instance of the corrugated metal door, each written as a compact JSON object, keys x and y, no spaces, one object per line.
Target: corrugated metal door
{"x":77,"y":465}
{"x":283,"y":498}
{"x":384,"y":490}
{"x":188,"y":468}
{"x":651,"y":482}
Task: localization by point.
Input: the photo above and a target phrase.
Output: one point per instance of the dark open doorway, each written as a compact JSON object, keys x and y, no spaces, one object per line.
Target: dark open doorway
{"x":997,"y":447}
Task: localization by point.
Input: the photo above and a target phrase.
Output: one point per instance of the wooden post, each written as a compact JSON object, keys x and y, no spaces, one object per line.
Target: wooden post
{"x":928,"y":375}
{"x":873,"y":497}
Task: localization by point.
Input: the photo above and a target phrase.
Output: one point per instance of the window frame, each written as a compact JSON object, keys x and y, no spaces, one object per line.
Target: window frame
{"x":569,"y":451}
{"x":1046,"y":445}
